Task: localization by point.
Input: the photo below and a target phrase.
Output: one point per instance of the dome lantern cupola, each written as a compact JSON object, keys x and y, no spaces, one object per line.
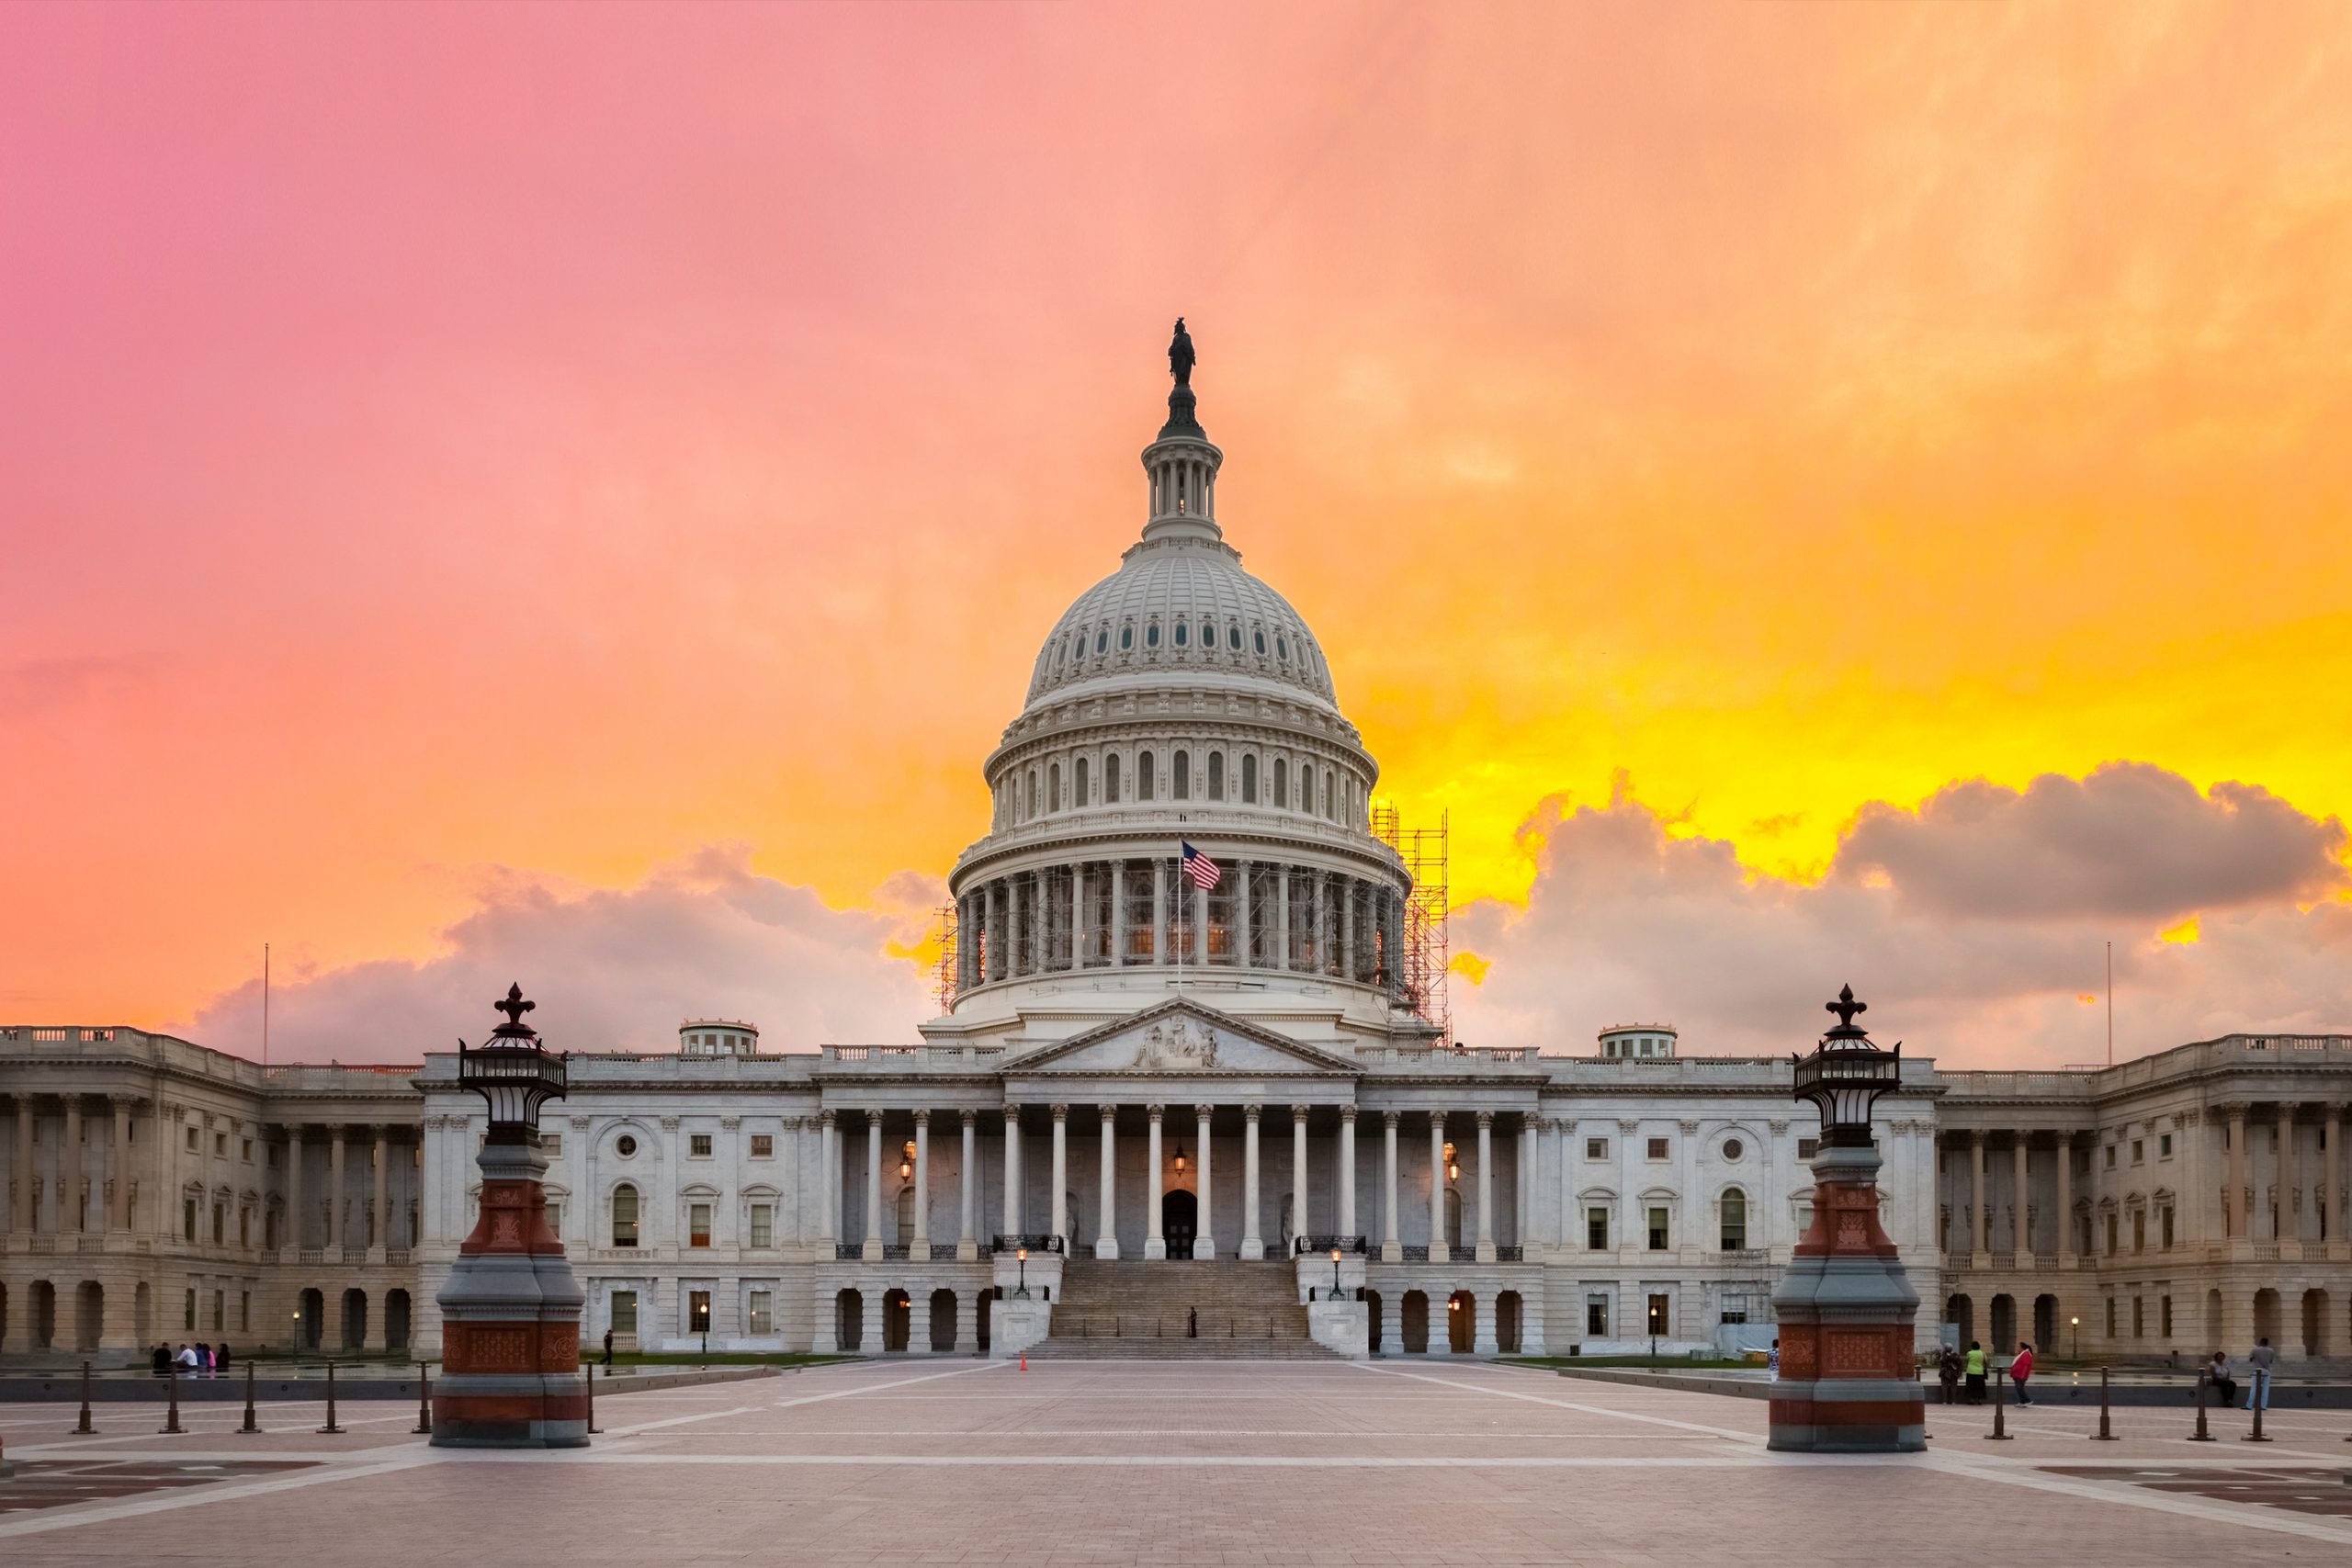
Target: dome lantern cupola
{"x":1182,"y":462}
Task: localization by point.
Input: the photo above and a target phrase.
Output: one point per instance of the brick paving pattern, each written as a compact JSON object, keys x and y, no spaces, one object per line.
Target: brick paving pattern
{"x":1405,"y":1461}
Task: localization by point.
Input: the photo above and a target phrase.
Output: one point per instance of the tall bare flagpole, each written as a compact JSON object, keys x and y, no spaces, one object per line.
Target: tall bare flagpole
{"x":264,"y":1004}
{"x":2110,"y":1003}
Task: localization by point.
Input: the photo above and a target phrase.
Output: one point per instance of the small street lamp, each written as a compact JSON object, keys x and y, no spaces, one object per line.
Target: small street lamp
{"x":1335,"y":1273}
{"x":2075,"y":1323}
{"x":1020,"y":1291}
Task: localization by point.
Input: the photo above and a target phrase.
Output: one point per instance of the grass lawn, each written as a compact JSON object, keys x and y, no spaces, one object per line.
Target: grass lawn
{"x":1664,"y":1363}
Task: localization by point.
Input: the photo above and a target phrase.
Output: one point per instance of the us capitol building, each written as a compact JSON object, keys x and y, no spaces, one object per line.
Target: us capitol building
{"x":1157,"y":1109}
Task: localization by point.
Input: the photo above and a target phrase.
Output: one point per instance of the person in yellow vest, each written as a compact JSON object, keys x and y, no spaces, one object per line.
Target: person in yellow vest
{"x":1974,"y":1368}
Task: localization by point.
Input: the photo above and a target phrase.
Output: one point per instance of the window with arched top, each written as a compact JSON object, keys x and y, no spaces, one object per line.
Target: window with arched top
{"x":1054,"y":787}
{"x":1306,"y":786}
{"x":1282,"y":781}
{"x":1151,"y":635}
{"x":1216,"y":775}
{"x":1101,"y":640}
{"x":1183,"y":775}
{"x":624,"y":1215}
{"x":1183,"y":629}
{"x":1328,"y":810}
{"x":1111,"y":779}
{"x":1126,"y":638}
{"x":1734,"y":1209}
{"x":1144,"y":772}
{"x":1079,"y":778}
{"x":1248,"y":779}
{"x":1233,"y":636}
{"x":1259,"y":638}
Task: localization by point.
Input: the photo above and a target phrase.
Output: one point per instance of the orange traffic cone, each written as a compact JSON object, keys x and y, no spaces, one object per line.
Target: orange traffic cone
{"x":1024,"y":1361}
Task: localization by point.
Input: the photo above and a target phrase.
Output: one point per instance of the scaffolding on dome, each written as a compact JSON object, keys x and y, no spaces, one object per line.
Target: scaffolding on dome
{"x":1427,"y":955}
{"x":945,"y":972}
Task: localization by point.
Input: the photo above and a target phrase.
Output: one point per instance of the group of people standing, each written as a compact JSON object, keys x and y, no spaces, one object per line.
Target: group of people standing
{"x":1953,"y":1368}
{"x":2258,"y":1363}
{"x":198,"y":1359}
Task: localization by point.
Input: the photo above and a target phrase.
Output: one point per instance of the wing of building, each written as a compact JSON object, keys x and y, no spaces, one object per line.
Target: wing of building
{"x":1180,"y":1071}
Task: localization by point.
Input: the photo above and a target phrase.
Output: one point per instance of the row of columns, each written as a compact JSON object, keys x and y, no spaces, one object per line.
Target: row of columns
{"x":1053,"y":919}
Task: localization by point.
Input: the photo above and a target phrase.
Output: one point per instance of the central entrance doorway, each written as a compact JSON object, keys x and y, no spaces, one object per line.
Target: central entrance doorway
{"x":1179,"y":1219}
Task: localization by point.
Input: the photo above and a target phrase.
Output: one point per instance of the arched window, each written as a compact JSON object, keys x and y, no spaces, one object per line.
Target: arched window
{"x":1080,"y":798}
{"x":1260,"y":638}
{"x":1111,"y":779}
{"x":1144,"y":772}
{"x":1248,"y":779}
{"x":1328,"y":810}
{"x":1208,"y":634}
{"x":1282,"y":781}
{"x":1182,"y":628}
{"x":1032,"y":791}
{"x":1126,"y":638}
{"x":1101,"y":640}
{"x":1183,"y":775}
{"x":1306,"y":787}
{"x":1151,"y":635}
{"x":1735,"y":1220}
{"x":1281,"y":648}
{"x":1216,"y":775}
{"x":1233,"y":636}
{"x":1054,"y":787}
{"x":624,"y":1215}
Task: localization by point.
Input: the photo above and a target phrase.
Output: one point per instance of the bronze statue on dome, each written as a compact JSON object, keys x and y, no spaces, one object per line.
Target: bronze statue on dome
{"x":1180,"y":354}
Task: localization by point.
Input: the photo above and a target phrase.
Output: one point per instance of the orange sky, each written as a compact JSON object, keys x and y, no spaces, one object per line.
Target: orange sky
{"x":443,"y":446}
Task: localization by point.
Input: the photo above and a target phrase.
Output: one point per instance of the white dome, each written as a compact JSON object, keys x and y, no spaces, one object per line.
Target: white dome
{"x":1180,"y":605}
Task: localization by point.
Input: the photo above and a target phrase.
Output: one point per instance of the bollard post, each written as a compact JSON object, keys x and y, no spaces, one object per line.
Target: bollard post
{"x":85,"y":1430}
{"x":2105,"y":1434}
{"x":2200,"y":1435}
{"x":251,"y":1425}
{"x":2000,"y":1432}
{"x":424,"y":1399}
{"x":593,"y":1427}
{"x":172,"y":1410}
{"x":2258,"y":1400}
{"x":330,"y":1426}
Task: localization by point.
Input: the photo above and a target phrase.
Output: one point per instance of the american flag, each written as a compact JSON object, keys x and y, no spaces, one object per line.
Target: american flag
{"x":1201,"y":869}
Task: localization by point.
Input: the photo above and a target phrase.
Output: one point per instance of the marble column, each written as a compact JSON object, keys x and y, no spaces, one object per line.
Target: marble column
{"x":1392,"y":1250}
{"x":2066,"y":1201}
{"x":922,"y":1249}
{"x":2332,"y":1174}
{"x":1154,"y":1244}
{"x":1980,"y":1226}
{"x":1241,"y":914}
{"x":1437,"y":1250}
{"x":2021,"y":1234}
{"x":2239,"y":1230}
{"x":1013,"y":930}
{"x":381,"y":1223}
{"x":1298,"y":1220}
{"x":292,"y":1240}
{"x":338,"y":1208}
{"x":1118,"y":913}
{"x":1205,"y":1244}
{"x":1253,"y":1244}
{"x":1485,"y":1253}
{"x":1347,"y":1170}
{"x":1106,"y":1229}
{"x":1012,"y":1170}
{"x":967,"y":1191}
{"x":118,"y":1169}
{"x":1159,"y":911}
{"x":1282,"y":916}
{"x":70,"y":1206}
{"x":1347,"y":888}
{"x":1522,"y":1168}
{"x":2291,"y":1175}
{"x":1199,"y":896}
{"x":873,"y":1186}
{"x":827,"y":1216}
{"x":24,"y":1216}
{"x":1081,"y":910}
{"x":1059,"y":1206}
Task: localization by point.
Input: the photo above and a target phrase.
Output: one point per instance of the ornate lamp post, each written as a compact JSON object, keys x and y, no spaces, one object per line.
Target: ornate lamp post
{"x":1849,"y":1382}
{"x":511,"y":1309}
{"x":1020,"y":1291}
{"x":1335,"y":1273}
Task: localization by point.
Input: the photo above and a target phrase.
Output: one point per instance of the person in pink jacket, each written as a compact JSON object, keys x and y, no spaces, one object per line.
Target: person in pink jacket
{"x":2020,"y":1369}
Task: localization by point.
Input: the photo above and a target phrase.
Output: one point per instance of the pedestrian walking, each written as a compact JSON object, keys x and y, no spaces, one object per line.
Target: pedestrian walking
{"x":1947,"y":1374}
{"x":608,"y":1347}
{"x":1772,"y":1362}
{"x":2225,"y":1387}
{"x":2257,"y":1378}
{"x":221,"y":1358}
{"x":2020,"y":1369}
{"x":1973,"y":1367}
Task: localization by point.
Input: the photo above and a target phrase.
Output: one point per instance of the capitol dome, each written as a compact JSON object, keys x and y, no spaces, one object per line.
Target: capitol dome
{"x":1180,"y":804}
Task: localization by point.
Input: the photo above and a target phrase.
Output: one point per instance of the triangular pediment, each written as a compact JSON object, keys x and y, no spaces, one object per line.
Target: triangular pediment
{"x":1180,"y":1039}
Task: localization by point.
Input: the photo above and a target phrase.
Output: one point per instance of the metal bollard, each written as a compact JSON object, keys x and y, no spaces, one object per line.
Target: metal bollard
{"x":2000,"y":1432}
{"x":2105,"y":1434}
{"x":172,"y":1410}
{"x":251,"y":1425}
{"x":85,"y":1428}
{"x":424,"y":1399}
{"x":2257,"y":1397}
{"x":2201,"y":1435}
{"x":593,"y":1427}
{"x":330,"y":1426}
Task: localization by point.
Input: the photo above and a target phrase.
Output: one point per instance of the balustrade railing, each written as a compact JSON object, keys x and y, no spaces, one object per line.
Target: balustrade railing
{"x":1351,"y":1245}
{"x":1035,"y":1241}
{"x":1416,"y":1252}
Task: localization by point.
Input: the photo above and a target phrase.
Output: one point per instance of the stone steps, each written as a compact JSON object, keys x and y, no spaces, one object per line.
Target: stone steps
{"x":1206,"y":1310}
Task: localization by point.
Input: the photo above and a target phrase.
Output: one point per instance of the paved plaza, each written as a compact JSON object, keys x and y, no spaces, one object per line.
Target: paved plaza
{"x":924,"y":1461}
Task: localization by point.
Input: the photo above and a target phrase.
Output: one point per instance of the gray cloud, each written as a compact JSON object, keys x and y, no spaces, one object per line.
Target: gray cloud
{"x":2129,"y":840}
{"x":612,"y":970}
{"x":1626,"y":922}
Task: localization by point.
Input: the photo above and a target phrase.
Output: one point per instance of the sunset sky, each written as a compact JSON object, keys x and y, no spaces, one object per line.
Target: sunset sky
{"x":1819,"y":492}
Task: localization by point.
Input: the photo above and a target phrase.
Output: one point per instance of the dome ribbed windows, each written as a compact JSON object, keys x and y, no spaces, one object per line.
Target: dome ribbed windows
{"x":1180,"y":629}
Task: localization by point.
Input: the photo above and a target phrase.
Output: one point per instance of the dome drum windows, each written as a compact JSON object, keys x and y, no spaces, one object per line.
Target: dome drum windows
{"x":1282,"y":782}
{"x":1216,"y":775}
{"x":1250,"y":779}
{"x":1183,"y":775}
{"x":1126,"y":638}
{"x":1111,"y":779}
{"x":1182,"y":627}
{"x":1144,"y":770}
{"x":1151,"y":635}
{"x":1079,"y":772}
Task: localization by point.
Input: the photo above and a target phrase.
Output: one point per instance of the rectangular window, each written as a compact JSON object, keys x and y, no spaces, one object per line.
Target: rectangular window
{"x":220,"y":1223}
{"x":699,"y":1145}
{"x":550,"y":1144}
{"x":1804,"y":1218}
{"x":697,"y":1225}
{"x":2139,"y":1230}
{"x":187,"y":1223}
{"x":2164,"y":1145}
{"x":698,"y":1312}
{"x":1661,"y":1316}
{"x":1657,"y":1148}
{"x":762,"y":1225}
{"x":1596,"y":1229}
{"x":2166,"y":1216}
{"x":1657,"y":1230}
{"x":1735,"y":1309}
{"x":188,"y":1311}
{"x":2139,"y":1317}
{"x":1735,"y":1227}
{"x":555,"y":1217}
{"x":274,"y":1153}
{"x":220,"y":1145}
{"x":1596,"y":1316}
{"x":2111,"y":1236}
{"x":2139,"y":1151}
{"x":191,"y":1148}
{"x":762,"y":1312}
{"x":219,"y":1310}
{"x":248,"y":1144}
{"x":2111,"y":1157}
{"x":1808,"y":1148}
{"x":763,"y":1145}
{"x":624,"y":1311}
{"x":244,"y":1227}
{"x":2110,"y":1318}
{"x":244,"y":1312}
{"x":1596,"y":1148}
{"x":2164,"y":1309}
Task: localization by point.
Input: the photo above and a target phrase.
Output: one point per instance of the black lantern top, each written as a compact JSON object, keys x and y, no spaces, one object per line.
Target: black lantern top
{"x":1846,"y":1074}
{"x":513,"y":1072}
